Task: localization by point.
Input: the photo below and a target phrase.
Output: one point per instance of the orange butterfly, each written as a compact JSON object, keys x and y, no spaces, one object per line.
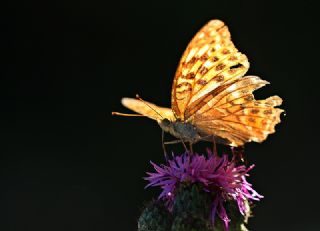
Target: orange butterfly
{"x":211,"y":97}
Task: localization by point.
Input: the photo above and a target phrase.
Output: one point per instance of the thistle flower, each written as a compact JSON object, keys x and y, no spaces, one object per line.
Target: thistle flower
{"x":219,"y":176}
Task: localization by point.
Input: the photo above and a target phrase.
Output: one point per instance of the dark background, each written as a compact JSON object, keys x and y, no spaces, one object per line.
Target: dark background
{"x":66,"y":164}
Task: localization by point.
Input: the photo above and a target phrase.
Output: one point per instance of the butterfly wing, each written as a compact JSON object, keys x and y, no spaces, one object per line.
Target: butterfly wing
{"x":210,"y":61}
{"x":235,"y":115}
{"x":148,"y":109}
{"x":209,"y":90}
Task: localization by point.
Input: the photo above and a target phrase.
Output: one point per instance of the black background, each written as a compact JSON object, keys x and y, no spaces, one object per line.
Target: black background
{"x":66,"y":164}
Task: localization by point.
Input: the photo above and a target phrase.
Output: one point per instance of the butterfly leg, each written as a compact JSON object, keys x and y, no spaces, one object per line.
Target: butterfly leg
{"x":214,"y":143}
{"x":163,"y":146}
{"x":191,"y":148}
{"x":238,"y":154}
{"x":166,"y":143}
{"x":177,"y":141}
{"x":214,"y":146}
{"x":172,"y":142}
{"x":184,"y":145}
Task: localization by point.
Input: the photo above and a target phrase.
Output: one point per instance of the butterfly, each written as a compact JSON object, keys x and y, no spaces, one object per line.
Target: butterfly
{"x":211,"y":97}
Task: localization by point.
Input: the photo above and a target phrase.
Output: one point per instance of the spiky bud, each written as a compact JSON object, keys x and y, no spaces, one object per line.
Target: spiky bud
{"x":192,"y":199}
{"x":188,"y":222}
{"x":237,"y":220}
{"x":155,"y":217}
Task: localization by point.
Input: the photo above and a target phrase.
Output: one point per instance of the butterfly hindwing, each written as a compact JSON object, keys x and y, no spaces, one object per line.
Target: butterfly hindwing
{"x":235,"y":115}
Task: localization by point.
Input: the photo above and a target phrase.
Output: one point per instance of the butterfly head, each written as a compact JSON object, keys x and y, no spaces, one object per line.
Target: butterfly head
{"x":165,"y":124}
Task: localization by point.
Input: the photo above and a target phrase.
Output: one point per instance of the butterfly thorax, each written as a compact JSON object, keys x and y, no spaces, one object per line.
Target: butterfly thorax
{"x":182,"y":130}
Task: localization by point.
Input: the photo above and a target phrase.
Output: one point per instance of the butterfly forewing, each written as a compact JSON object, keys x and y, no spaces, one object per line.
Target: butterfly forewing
{"x":210,"y":61}
{"x":148,"y":109}
{"x":190,"y":61}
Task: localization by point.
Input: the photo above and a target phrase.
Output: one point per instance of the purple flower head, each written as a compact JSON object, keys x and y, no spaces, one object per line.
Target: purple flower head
{"x":219,"y":176}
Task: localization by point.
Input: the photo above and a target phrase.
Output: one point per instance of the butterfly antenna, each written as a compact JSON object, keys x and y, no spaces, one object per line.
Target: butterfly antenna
{"x":124,"y":114}
{"x":139,"y":98}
